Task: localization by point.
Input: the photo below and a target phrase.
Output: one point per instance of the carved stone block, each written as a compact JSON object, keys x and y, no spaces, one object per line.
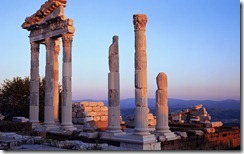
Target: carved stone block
{"x":162,"y":97}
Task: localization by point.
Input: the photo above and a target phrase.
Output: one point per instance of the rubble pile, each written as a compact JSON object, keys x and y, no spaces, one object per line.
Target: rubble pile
{"x":196,"y":114}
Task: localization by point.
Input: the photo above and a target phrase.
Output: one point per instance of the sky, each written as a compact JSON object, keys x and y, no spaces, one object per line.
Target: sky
{"x":195,"y":42}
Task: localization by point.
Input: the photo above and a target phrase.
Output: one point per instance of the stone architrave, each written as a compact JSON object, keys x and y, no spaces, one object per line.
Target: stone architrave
{"x":162,"y":126}
{"x":141,"y":98}
{"x":67,"y":124}
{"x":46,"y":26}
{"x":34,"y":83}
{"x":114,"y":90}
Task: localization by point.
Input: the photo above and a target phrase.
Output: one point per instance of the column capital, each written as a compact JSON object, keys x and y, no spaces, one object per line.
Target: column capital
{"x":139,"y":21}
{"x":67,"y":40}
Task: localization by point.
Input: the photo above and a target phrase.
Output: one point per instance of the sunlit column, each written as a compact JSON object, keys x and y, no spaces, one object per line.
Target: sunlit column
{"x":67,"y":124}
{"x":34,"y":83}
{"x":141,"y":97}
{"x":51,"y":87}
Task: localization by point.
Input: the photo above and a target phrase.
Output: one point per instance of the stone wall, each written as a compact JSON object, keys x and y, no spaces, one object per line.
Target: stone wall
{"x":87,"y":112}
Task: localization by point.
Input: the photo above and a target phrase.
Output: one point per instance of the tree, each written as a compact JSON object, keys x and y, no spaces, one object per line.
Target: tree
{"x":15,"y":97}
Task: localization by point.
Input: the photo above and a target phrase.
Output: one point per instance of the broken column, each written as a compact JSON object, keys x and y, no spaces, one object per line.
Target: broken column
{"x":113,"y":91}
{"x":67,"y":83}
{"x":141,"y":100}
{"x":162,"y":126}
{"x":34,"y":83}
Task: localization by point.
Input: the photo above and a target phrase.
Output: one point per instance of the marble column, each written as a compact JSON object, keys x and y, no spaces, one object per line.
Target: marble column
{"x":162,"y":127}
{"x":162,"y":104}
{"x":51,"y":88}
{"x":141,"y":97}
{"x":67,"y":124}
{"x":114,"y":88}
{"x":34,"y":84}
{"x":56,"y":81}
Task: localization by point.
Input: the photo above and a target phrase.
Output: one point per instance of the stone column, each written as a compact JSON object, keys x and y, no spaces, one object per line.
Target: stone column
{"x":141,"y":98}
{"x":114,"y":88}
{"x":51,"y":88}
{"x":162,"y":104}
{"x":67,"y":124}
{"x":162,"y":127}
{"x":34,"y":83}
{"x":56,"y":81}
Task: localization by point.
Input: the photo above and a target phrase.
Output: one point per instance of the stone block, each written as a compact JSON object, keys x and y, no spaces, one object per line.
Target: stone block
{"x":87,"y":109}
{"x":152,"y":122}
{"x":92,"y":104}
{"x":84,"y":104}
{"x":96,"y":108}
{"x":96,"y":118}
{"x":197,"y":107}
{"x":217,"y":124}
{"x":84,"y":120}
{"x":100,"y":104}
{"x":181,"y":134}
{"x":209,"y":130}
{"x":113,"y":80}
{"x":89,"y":134}
{"x":104,"y":118}
{"x":150,"y":116}
{"x":141,"y":79}
{"x":100,"y":113}
{"x":91,"y":114}
{"x":104,"y":108}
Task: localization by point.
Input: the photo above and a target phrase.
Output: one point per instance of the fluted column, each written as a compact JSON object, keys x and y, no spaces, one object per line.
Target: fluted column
{"x":34,"y":83}
{"x":56,"y":81}
{"x":51,"y":88}
{"x":162,"y":104}
{"x":67,"y":40}
{"x":141,"y":97}
{"x":114,"y":88}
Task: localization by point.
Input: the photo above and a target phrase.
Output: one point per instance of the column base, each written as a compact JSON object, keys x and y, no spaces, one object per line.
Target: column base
{"x":108,"y":135}
{"x":138,"y":142}
{"x":68,"y":127}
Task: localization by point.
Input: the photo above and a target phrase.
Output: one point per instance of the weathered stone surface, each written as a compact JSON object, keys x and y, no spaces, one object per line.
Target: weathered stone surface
{"x":141,"y":79}
{"x":113,"y":81}
{"x":114,"y":55}
{"x":139,"y":21}
{"x":20,"y":119}
{"x":141,"y":97}
{"x":113,"y":98}
{"x":181,"y":134}
{"x":162,"y":81}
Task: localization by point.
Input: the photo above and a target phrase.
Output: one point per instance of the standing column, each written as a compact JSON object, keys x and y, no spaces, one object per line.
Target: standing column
{"x":114,"y":88}
{"x":162,"y":127}
{"x":141,"y":100}
{"x":51,"y":100}
{"x":56,"y":80}
{"x":34,"y":83}
{"x":162,"y":104}
{"x":67,"y":83}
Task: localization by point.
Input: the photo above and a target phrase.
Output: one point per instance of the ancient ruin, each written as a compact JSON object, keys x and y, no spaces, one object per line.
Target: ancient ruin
{"x":93,"y":120}
{"x":162,"y":124}
{"x":46,"y":26}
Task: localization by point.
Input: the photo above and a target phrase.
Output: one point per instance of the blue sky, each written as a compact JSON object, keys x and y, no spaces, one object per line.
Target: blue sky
{"x":195,"y":42}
